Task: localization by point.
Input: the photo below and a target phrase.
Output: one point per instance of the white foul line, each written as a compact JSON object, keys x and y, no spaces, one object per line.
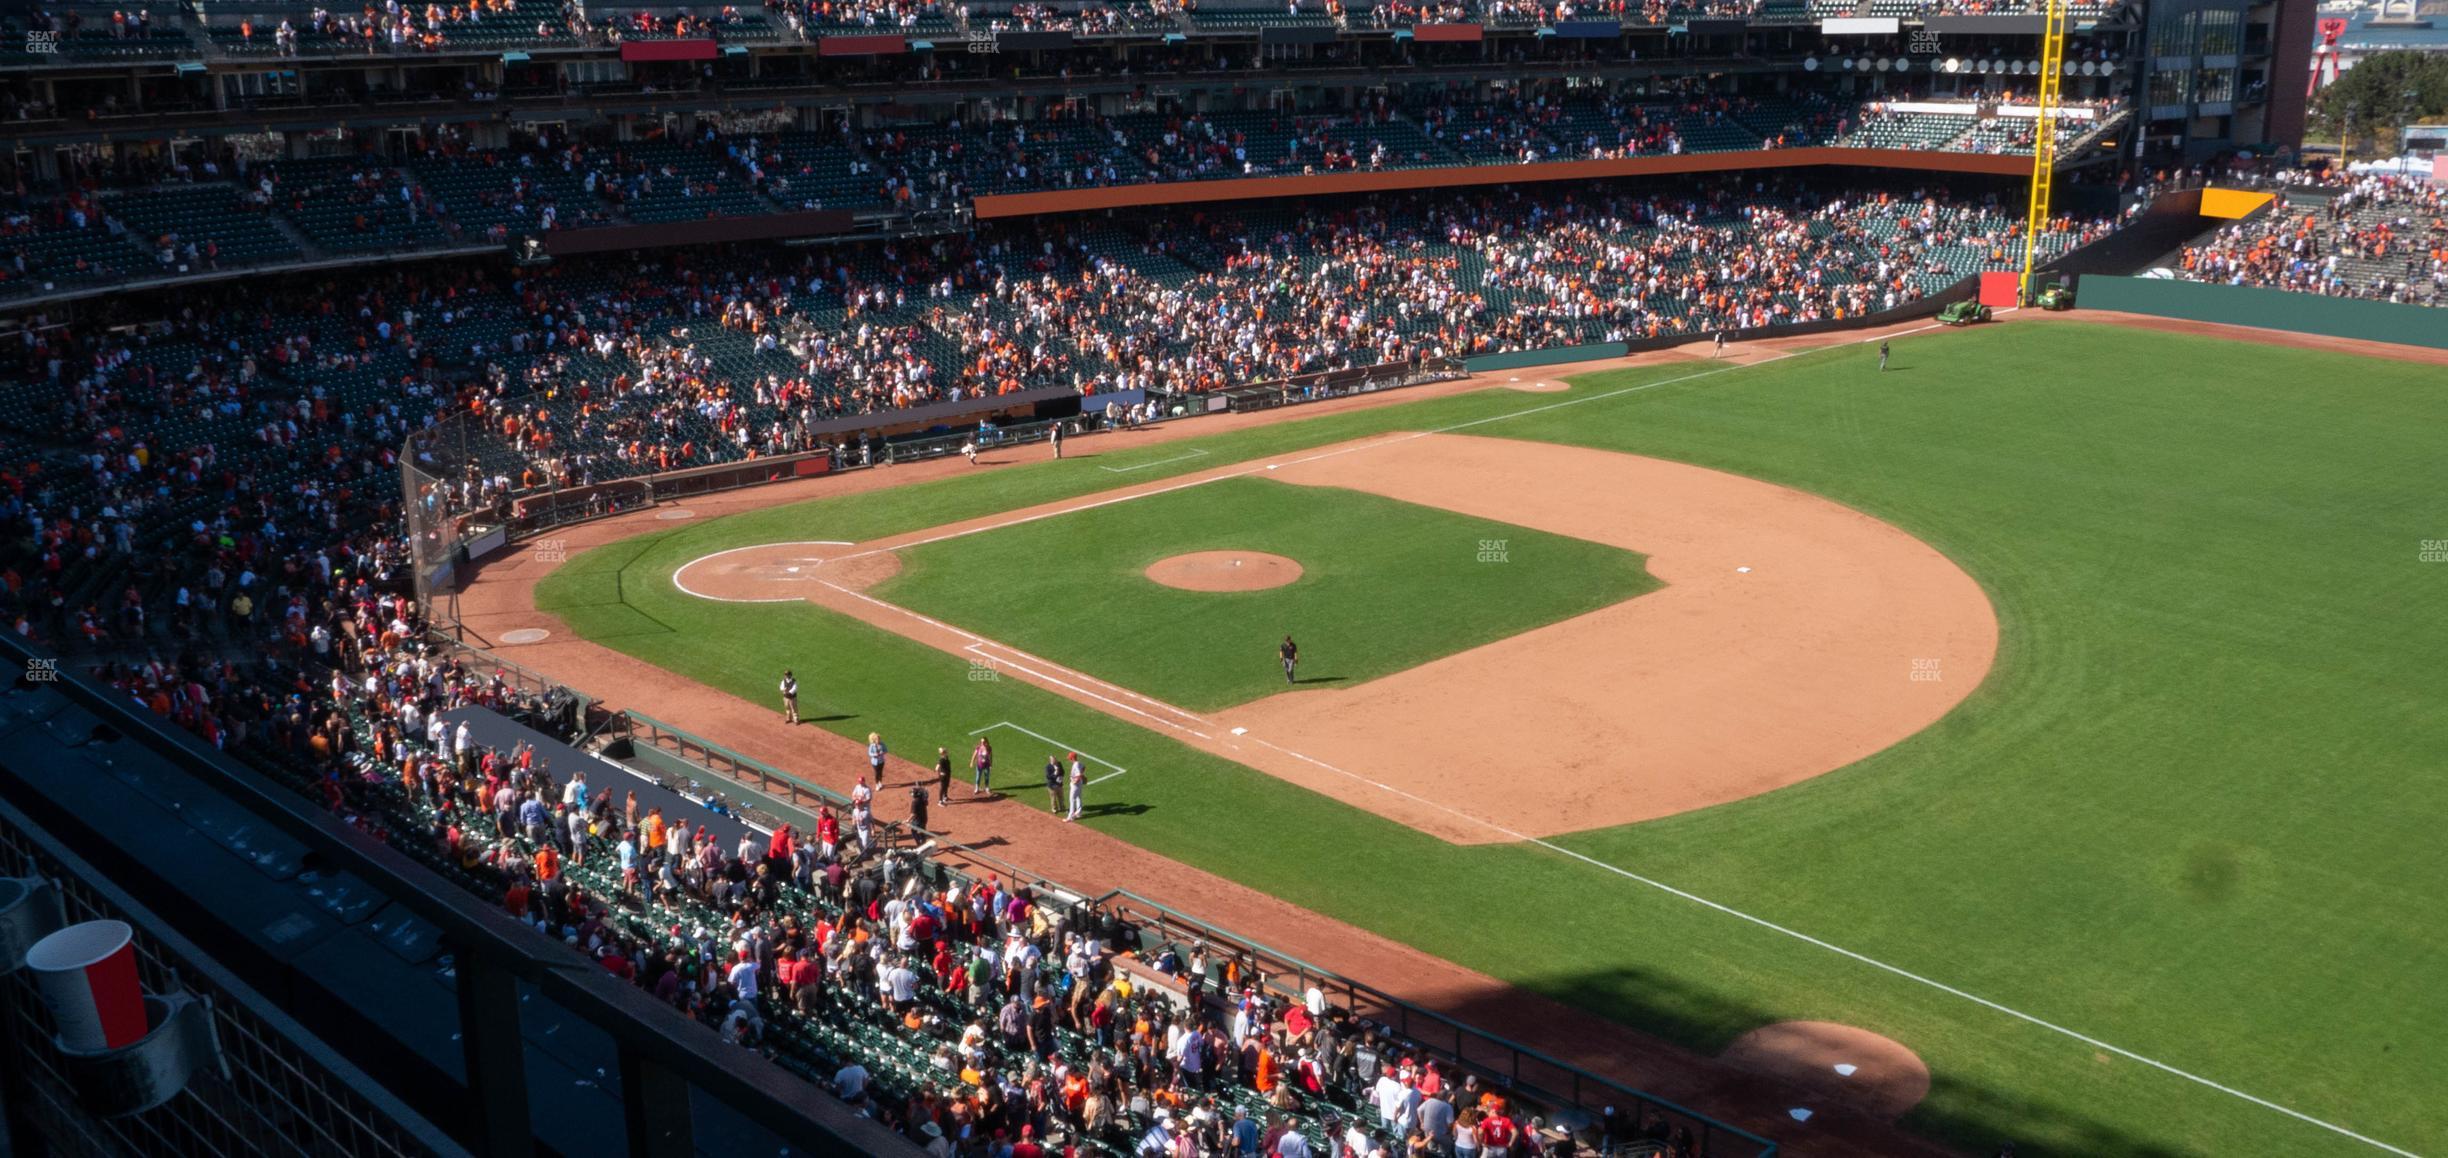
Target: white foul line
{"x":1559,"y":849}
{"x":1117,"y":768}
{"x":1549,"y":845}
{"x":976,"y":641}
{"x":1841,"y":951}
{"x":983,"y":643}
{"x":1194,"y":453}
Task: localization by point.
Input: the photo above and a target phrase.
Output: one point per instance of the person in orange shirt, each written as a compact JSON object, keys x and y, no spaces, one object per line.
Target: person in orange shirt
{"x":547,"y":864}
{"x":1074,"y":1092}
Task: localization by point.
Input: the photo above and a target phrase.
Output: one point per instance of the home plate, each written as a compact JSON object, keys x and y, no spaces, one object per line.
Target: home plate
{"x":1846,"y":1068}
{"x":1742,"y":570}
{"x":1240,"y":731}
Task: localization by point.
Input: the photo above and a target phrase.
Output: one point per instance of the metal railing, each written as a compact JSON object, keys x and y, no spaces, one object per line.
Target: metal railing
{"x":799,"y":793}
{"x":497,"y":961}
{"x":532,"y":694}
{"x":1537,"y":1076}
{"x":1528,"y":1073}
{"x":765,"y":778}
{"x":280,"y":1090}
{"x":1322,"y":385}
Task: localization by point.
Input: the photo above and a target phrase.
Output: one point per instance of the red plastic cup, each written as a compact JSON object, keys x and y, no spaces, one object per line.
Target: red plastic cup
{"x":87,"y":974}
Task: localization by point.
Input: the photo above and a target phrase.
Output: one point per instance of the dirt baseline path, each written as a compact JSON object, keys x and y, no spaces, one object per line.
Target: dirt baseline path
{"x":500,"y":599}
{"x":1793,"y":636}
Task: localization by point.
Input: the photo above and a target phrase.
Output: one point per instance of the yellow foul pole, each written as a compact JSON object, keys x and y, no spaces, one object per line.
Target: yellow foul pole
{"x":2044,"y":141}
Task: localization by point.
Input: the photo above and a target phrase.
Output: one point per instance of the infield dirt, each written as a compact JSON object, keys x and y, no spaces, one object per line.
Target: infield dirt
{"x":1754,"y":1096}
{"x":1794,"y":636}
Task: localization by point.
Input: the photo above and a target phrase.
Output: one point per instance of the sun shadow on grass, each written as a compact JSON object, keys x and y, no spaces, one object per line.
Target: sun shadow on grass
{"x":1967,"y":1115}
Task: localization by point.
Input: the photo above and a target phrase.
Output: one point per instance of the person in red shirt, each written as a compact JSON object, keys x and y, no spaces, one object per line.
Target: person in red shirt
{"x":787,"y":972}
{"x":1497,"y":1133}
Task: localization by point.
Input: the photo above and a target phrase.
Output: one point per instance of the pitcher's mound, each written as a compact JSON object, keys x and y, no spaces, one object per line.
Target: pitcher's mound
{"x":1838,"y":1062}
{"x":1224,"y":571}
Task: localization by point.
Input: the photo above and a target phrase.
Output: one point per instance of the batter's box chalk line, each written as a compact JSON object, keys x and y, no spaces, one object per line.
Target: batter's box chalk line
{"x":1092,"y":781}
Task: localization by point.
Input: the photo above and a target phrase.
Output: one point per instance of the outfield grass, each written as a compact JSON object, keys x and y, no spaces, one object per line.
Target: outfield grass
{"x":2190,"y":812}
{"x":1385,"y":585}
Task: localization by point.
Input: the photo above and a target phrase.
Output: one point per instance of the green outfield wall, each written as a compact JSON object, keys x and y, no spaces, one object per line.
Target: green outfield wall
{"x":2270,"y":309}
{"x":1552,"y":356}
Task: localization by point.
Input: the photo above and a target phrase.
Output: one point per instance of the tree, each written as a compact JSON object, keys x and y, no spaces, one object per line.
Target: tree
{"x":2382,"y":94}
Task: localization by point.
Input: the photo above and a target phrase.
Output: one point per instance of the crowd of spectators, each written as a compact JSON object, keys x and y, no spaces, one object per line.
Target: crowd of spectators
{"x":447,"y":192}
{"x":405,"y":27}
{"x":809,"y":18}
{"x":219,"y":479}
{"x":474,"y":26}
{"x":232,"y":470}
{"x":251,"y":427}
{"x":2379,"y":237}
{"x":1089,"y":19}
{"x":973,"y":1015}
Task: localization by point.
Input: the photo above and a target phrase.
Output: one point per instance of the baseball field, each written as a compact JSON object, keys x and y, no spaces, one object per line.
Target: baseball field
{"x":2063,"y":704}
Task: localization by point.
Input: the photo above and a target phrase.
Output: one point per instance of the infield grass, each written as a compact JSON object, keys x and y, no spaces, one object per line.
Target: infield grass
{"x":2192,"y":812}
{"x":1385,"y":585}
